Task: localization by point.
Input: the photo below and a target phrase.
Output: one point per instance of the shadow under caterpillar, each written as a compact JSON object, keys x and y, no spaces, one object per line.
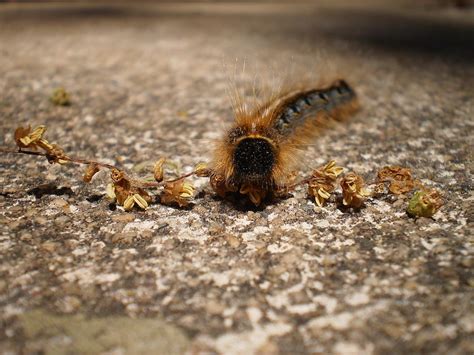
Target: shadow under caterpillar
{"x":258,"y":155}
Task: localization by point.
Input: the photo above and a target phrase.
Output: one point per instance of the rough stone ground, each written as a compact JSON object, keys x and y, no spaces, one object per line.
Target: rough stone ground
{"x":291,"y":278}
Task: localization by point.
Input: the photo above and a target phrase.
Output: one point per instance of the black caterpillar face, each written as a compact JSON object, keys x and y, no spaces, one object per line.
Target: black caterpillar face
{"x":254,"y":158}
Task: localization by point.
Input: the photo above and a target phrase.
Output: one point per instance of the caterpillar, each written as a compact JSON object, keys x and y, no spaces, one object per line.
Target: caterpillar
{"x":258,"y":155}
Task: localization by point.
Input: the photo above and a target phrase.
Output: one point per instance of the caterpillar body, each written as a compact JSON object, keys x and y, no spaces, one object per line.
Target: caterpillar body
{"x":259,"y":154}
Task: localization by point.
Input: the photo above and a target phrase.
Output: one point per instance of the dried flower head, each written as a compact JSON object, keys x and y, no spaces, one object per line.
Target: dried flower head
{"x":20,"y":134}
{"x":121,"y":184}
{"x":400,"y":179}
{"x":55,"y":153}
{"x":178,"y":192}
{"x":25,"y":138}
{"x":158,"y":171}
{"x":323,"y":182}
{"x":202,"y":170}
{"x":425,"y":203}
{"x":331,"y":169}
{"x":60,"y":97}
{"x":354,"y":192}
{"x":91,"y":170}
{"x":125,"y":193}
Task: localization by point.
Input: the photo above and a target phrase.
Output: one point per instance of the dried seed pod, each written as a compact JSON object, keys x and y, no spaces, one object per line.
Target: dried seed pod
{"x":178,"y":192}
{"x":44,"y":144}
{"x":122,"y":185}
{"x":354,"y":192}
{"x":140,"y":191}
{"x":323,"y":182}
{"x":34,"y":136}
{"x":110,"y":192}
{"x":128,"y":203}
{"x":320,"y":189}
{"x":140,"y":201}
{"x":158,"y":172}
{"x":91,"y":170}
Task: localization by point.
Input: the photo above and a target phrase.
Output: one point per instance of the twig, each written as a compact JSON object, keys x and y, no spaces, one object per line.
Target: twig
{"x":136,"y":182}
{"x":65,"y":157}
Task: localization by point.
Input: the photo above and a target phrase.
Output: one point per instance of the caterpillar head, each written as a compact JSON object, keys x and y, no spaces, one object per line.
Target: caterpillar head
{"x":254,"y":158}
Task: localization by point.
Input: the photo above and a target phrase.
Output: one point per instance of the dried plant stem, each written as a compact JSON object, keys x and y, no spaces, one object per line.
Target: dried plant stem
{"x":67,"y":158}
{"x":147,"y":184}
{"x":74,"y":160}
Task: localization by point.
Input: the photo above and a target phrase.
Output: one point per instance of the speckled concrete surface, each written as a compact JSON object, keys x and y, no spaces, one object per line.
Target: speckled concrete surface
{"x":290,"y":278}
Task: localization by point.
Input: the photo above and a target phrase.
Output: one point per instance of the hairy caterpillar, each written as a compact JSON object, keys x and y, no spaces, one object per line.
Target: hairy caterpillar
{"x":258,"y":154}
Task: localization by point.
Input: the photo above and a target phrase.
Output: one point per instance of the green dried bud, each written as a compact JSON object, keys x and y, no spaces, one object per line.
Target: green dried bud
{"x":60,"y":97}
{"x":424,"y":203}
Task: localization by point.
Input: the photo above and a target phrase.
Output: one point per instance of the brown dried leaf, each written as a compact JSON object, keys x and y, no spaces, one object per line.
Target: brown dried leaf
{"x":117,"y":175}
{"x":121,"y":185}
{"x":400,"y":179}
{"x":121,"y":194}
